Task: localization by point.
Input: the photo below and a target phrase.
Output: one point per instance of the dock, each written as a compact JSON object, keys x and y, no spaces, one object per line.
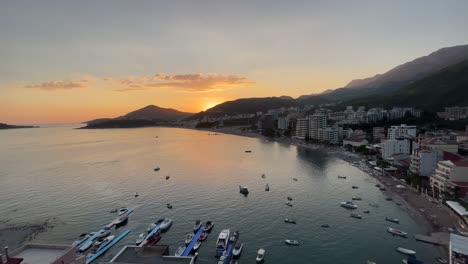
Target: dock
{"x":93,"y":257}
{"x":106,"y":227}
{"x":195,"y":238}
{"x":441,"y":239}
{"x":228,"y":255}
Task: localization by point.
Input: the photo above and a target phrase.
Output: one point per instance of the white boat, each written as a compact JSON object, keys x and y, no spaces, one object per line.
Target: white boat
{"x":237,"y":250}
{"x":151,"y":227}
{"x":349,"y":205}
{"x":123,"y":211}
{"x":165,"y":224}
{"x":188,"y":238}
{"x":356,"y":198}
{"x":397,"y":232}
{"x":260,"y":255}
{"x":292,"y":242}
{"x":82,"y":238}
{"x":208,"y":226}
{"x":358,"y":216}
{"x":289,"y":221}
{"x":243,"y":190}
{"x":197,"y":245}
{"x":406,"y":251}
{"x":102,"y":243}
{"x":223,"y":239}
{"x":102,"y":233}
{"x":179,"y":251}
{"x":140,"y":239}
{"x":234,"y":236}
{"x":393,"y":220}
{"x":86,"y":246}
{"x":197,"y":225}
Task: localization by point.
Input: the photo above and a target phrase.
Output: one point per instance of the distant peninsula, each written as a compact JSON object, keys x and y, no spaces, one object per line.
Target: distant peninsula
{"x":6,"y":126}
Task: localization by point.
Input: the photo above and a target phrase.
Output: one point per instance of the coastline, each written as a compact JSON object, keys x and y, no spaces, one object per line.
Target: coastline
{"x":17,"y":235}
{"x":434,"y":217}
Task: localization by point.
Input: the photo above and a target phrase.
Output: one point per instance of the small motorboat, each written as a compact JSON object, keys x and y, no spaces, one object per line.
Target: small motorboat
{"x":223,"y":239}
{"x":260,"y":255}
{"x":356,"y":198}
{"x":165,"y":224}
{"x":289,"y":221}
{"x":289,"y":204}
{"x":153,"y":239}
{"x":378,"y":185}
{"x":122,"y":211}
{"x":208,"y":226}
{"x":348,"y":205}
{"x":289,"y":198}
{"x":197,"y":245}
{"x":86,"y":246}
{"x":203,"y":236}
{"x":406,"y":251}
{"x":366,"y":211}
{"x":81,"y":238}
{"x":248,"y":151}
{"x":136,"y":194}
{"x":153,"y":225}
{"x":325,"y":225}
{"x":113,"y":211}
{"x":102,"y":233}
{"x":102,"y":244}
{"x":355,"y":187}
{"x":441,"y":260}
{"x":197,"y":225}
{"x":393,"y":220}
{"x":140,"y":239}
{"x":168,"y":205}
{"x":263,"y":176}
{"x":243,"y":190}
{"x":341,"y":177}
{"x":295,"y":179}
{"x":234,"y":236}
{"x":121,"y":221}
{"x":357,"y":216}
{"x":292,"y":242}
{"x":396,"y":232}
{"x":388,"y":199}
{"x":267,"y":188}
{"x":237,"y":250}
{"x":157,"y":169}
{"x":188,"y":238}
{"x":180,"y":251}
{"x":167,"y":177}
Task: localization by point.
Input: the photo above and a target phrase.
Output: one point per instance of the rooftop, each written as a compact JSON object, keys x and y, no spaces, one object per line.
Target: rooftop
{"x":457,"y":208}
{"x":40,"y":253}
{"x":354,"y":139}
{"x":459,"y":244}
{"x":151,"y":255}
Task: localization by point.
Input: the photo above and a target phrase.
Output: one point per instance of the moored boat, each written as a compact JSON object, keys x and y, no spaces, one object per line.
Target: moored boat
{"x":153,"y":225}
{"x":152,"y":239}
{"x":243,"y":190}
{"x":122,"y":211}
{"x":140,"y":239}
{"x":289,"y":221}
{"x":208,"y":226}
{"x":102,"y":244}
{"x":267,"y":188}
{"x":393,"y":220}
{"x":121,"y":220}
{"x":406,"y":251}
{"x":180,"y":251}
{"x":260,"y":255}
{"x":165,"y":224}
{"x":234,"y":236}
{"x":203,"y":236}
{"x":292,"y":242}
{"x":396,"y":232}
{"x":82,"y":238}
{"x":169,"y":206}
{"x":357,"y":216}
{"x":188,"y":238}
{"x":197,"y":225}
{"x":237,"y":250}
{"x":222,"y":240}
{"x":349,"y":205}
{"x":86,"y":245}
{"x":197,"y":245}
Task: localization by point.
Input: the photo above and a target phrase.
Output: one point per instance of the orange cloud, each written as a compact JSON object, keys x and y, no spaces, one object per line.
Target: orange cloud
{"x":60,"y":85}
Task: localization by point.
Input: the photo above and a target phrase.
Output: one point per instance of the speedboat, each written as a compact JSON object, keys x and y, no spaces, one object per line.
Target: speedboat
{"x":203,"y":236}
{"x":223,"y":238}
{"x":348,"y":205}
{"x":289,"y":221}
{"x":153,"y":239}
{"x":248,"y":151}
{"x":168,"y":205}
{"x":121,"y":220}
{"x":356,"y":216}
{"x":180,"y":251}
{"x":294,"y":179}
{"x":197,"y":245}
{"x":86,"y":245}
{"x":355,"y":187}
{"x":267,"y":188}
{"x":289,"y":204}
{"x":263,"y":176}
{"x":157,"y":169}
{"x":165,"y":224}
{"x":396,"y":232}
{"x":292,"y":242}
{"x":243,"y":190}
{"x":357,"y":198}
{"x":140,"y":239}
{"x":289,"y":198}
{"x":102,"y":244}
{"x":441,"y":260}
{"x":208,"y":226}
{"x":152,"y":226}
{"x":81,"y":238}
{"x":260,"y":255}
{"x":341,"y":177}
{"x":188,"y":238}
{"x":102,"y":233}
{"x":234,"y":236}
{"x":406,"y":251}
{"x":167,"y":177}
{"x":325,"y":225}
{"x":197,"y":225}
{"x":237,"y":250}
{"x":122,"y":211}
{"x":393,"y":220}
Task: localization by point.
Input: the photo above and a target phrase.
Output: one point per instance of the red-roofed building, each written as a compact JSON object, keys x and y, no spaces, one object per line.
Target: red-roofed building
{"x":450,"y":177}
{"x":355,"y":141}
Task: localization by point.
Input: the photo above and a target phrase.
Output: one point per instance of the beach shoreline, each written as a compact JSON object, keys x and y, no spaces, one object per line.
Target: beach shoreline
{"x":15,"y":236}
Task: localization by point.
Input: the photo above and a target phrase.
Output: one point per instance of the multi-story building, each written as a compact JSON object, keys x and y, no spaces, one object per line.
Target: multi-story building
{"x":402,"y":130}
{"x":283,"y":123}
{"x":397,"y":146}
{"x":302,"y":128}
{"x":378,"y":133}
{"x":424,"y":160}
{"x":450,"y":177}
{"x":375,"y":114}
{"x":330,"y":134}
{"x":316,"y":122}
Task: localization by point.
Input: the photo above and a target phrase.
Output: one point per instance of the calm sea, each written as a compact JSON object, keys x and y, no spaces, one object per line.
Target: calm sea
{"x":77,"y":176}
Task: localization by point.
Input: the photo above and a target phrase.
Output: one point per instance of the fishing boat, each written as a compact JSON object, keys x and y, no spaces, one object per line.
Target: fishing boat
{"x":165,"y":224}
{"x":292,"y":242}
{"x":197,"y":245}
{"x":237,"y":250}
{"x":260,"y":255}
{"x":208,"y":226}
{"x":406,"y":251}
{"x":168,"y":205}
{"x":396,"y":232}
{"x":267,"y":188}
{"x":203,"y":236}
{"x":180,"y":251}
{"x":393,"y":220}
{"x":167,"y":177}
{"x":222,"y":240}
{"x":356,"y":198}
{"x":348,"y":205}
{"x":289,"y":204}
{"x":341,"y":177}
{"x":289,"y":198}
{"x":188,"y":238}
{"x":325,"y":225}
{"x":357,"y":216}
{"x":140,"y":239}
{"x":122,"y":211}
{"x":355,"y":187}
{"x":441,"y":260}
{"x":157,"y":169}
{"x":197,"y":225}
{"x":366,"y":211}
{"x":243,"y":190}
{"x":289,"y":221}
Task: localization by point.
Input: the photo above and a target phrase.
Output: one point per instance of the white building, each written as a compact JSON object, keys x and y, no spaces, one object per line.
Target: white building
{"x":302,"y":128}
{"x":316,"y":122}
{"x":448,"y":175}
{"x":397,"y":146}
{"x":283,"y":123}
{"x":395,"y":132}
{"x":424,"y":161}
{"x":330,"y":134}
{"x":355,"y":141}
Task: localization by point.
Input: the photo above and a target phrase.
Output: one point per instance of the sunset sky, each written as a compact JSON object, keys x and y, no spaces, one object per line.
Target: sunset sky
{"x":71,"y":61}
